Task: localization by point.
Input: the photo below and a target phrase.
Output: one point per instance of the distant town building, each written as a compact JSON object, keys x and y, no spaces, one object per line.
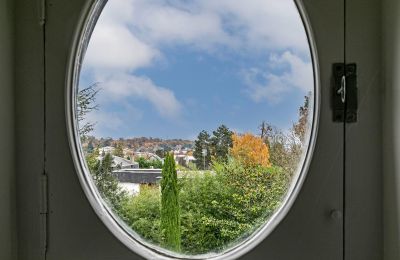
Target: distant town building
{"x":189,"y":159}
{"x":128,"y":152}
{"x":106,"y":149}
{"x":147,"y":156}
{"x":131,"y":180}
{"x":121,"y":163}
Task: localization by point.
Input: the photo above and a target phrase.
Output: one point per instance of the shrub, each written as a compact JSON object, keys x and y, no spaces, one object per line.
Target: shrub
{"x":219,"y":208}
{"x":143,"y":213}
{"x":146,"y":164}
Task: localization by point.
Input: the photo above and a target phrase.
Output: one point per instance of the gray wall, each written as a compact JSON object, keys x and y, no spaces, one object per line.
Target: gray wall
{"x":7,"y":182}
{"x":391,"y":129}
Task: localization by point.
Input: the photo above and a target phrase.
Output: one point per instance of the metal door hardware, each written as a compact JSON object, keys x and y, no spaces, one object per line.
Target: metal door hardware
{"x":345,"y":103}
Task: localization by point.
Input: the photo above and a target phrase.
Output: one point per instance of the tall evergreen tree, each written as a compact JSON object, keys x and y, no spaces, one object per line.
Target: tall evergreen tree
{"x":106,"y":182}
{"x":170,"y":212}
{"x":221,"y":142}
{"x":203,"y":143}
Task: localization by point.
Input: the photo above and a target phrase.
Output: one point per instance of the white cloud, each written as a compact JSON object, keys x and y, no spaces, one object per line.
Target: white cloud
{"x":131,"y":34}
{"x":114,"y":47}
{"x":162,"y":24}
{"x":259,"y":24}
{"x":268,"y":24}
{"x":265,"y":85}
{"x":122,"y":86}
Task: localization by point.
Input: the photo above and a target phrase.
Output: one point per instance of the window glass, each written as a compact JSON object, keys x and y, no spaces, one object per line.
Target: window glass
{"x":194,"y":117}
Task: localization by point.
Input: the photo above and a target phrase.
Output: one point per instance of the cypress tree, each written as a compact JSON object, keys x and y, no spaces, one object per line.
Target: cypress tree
{"x":170,"y":213}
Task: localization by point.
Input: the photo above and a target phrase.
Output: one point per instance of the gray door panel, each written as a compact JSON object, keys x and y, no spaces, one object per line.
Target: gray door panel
{"x":363,"y":238}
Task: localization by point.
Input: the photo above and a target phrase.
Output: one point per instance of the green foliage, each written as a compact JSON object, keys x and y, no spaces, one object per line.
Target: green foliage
{"x":221,"y":142}
{"x":143,"y":213}
{"x":170,"y":212}
{"x":106,"y":182}
{"x":216,"y":147}
{"x":147,"y":164}
{"x":207,"y":221}
{"x":203,"y":142}
{"x":216,"y":208}
{"x":222,"y":207}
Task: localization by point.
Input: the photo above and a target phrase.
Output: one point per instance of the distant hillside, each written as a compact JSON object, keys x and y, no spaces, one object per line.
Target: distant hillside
{"x":148,"y":144}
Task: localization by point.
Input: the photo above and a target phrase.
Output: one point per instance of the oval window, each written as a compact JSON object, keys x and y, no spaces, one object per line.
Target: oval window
{"x":193,"y":121}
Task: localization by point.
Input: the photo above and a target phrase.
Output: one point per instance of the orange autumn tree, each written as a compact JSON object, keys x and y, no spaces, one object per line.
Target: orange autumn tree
{"x":250,"y":150}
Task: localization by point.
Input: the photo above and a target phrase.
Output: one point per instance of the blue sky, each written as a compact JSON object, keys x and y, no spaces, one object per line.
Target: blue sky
{"x":172,"y":68}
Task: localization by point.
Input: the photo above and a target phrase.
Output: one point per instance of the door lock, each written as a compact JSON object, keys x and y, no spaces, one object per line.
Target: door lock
{"x":345,"y":103}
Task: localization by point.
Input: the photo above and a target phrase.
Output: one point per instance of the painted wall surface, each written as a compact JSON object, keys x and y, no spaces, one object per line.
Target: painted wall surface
{"x":7,"y":177}
{"x":391,"y":126}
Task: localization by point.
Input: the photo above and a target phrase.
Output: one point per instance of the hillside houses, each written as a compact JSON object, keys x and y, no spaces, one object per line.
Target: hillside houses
{"x":127,"y":168}
{"x":106,"y":149}
{"x":121,"y":163}
{"x":147,"y":156}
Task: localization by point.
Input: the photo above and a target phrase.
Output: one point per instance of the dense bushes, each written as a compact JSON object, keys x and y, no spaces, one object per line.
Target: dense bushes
{"x":221,"y":207}
{"x":143,"y":213}
{"x":217,"y":208}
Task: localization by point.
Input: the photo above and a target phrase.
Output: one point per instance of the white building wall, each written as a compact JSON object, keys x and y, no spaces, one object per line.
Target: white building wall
{"x":131,"y":188}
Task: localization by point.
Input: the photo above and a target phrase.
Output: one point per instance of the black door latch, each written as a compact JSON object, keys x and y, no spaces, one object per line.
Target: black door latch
{"x":345,"y":101}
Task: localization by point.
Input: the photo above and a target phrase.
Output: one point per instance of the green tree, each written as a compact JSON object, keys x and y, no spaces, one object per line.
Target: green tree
{"x":221,"y":142}
{"x":106,"y":182}
{"x":86,"y":102}
{"x":222,"y":207}
{"x":170,"y":212}
{"x":160,"y":153}
{"x":143,"y":213}
{"x":119,"y":151}
{"x":203,"y":143}
{"x":146,"y":164}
